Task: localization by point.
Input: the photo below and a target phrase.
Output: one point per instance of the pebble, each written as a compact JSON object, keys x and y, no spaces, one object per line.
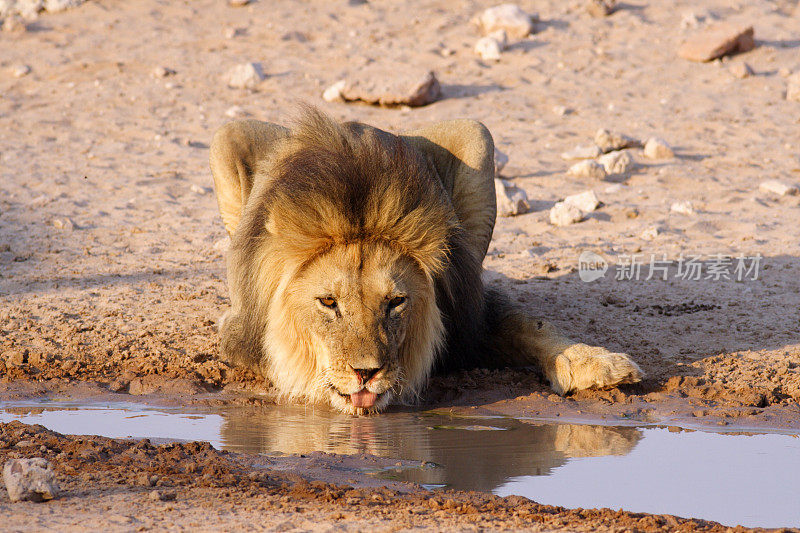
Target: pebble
{"x":564,"y":214}
{"x":793,"y":87}
{"x":334,"y":92}
{"x":19,"y":71}
{"x":65,"y":223}
{"x":162,"y":72}
{"x":197,"y":189}
{"x":509,"y":17}
{"x":30,"y":479}
{"x":500,"y":161}
{"x":777,"y":187}
{"x":511,"y":200}
{"x":230,"y":33}
{"x":656,"y":148}
{"x":491,"y":47}
{"x":238,"y":3}
{"x":741,"y":70}
{"x":684,"y":208}
{"x":586,"y":201}
{"x":587,"y":151}
{"x":609,"y":142}
{"x":383,"y":84}
{"x":54,"y":6}
{"x":650,"y":233}
{"x":717,"y":41}
{"x":236,"y":111}
{"x":561,"y":110}
{"x":14,"y":358}
{"x":600,"y":8}
{"x":14,"y":24}
{"x":587,"y":169}
{"x":618,"y":162}
{"x":163,"y":495}
{"x":245,"y":76}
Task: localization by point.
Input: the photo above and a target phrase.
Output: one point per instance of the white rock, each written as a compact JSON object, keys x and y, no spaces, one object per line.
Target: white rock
{"x":488,"y":48}
{"x":618,"y":162}
{"x":586,"y":201}
{"x":508,"y":17}
{"x":14,"y":24}
{"x":777,"y":187}
{"x":600,"y":8}
{"x":608,"y":141}
{"x":587,"y":169}
{"x":238,"y":3}
{"x":334,"y":92}
{"x":511,"y":200}
{"x":564,"y":214}
{"x":28,"y":9}
{"x":236,"y":111}
{"x":587,"y":151}
{"x":741,"y":70}
{"x":684,"y":208}
{"x":54,"y":6}
{"x":30,"y":479}
{"x":245,"y":76}
{"x":561,"y":110}
{"x":656,"y":148}
{"x":197,"y":189}
{"x":650,"y":233}
{"x":793,"y":87}
{"x":500,"y":161}
{"x":162,"y":72}
{"x":613,"y":189}
{"x":19,"y":71}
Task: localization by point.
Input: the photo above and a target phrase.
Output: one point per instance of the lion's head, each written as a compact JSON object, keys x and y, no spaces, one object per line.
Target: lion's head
{"x":336,"y":257}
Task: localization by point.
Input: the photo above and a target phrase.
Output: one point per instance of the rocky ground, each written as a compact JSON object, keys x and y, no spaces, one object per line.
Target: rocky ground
{"x":112,"y":253}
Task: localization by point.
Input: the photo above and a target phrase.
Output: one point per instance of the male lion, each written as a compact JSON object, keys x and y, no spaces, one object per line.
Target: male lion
{"x":355,"y":263}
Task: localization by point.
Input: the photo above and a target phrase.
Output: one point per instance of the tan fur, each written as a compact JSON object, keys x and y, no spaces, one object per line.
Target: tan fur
{"x":363,"y":216}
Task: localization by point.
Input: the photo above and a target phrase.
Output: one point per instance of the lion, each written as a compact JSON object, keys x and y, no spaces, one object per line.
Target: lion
{"x":355,"y":264}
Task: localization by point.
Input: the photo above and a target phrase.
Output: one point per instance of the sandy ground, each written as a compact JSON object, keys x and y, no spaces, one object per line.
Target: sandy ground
{"x":128,"y":299}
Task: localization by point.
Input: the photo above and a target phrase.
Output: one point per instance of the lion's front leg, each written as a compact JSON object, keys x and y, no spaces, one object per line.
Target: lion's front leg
{"x":571,"y":366}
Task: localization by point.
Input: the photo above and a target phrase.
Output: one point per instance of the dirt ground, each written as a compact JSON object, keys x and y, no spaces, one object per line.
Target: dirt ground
{"x":127,"y":298}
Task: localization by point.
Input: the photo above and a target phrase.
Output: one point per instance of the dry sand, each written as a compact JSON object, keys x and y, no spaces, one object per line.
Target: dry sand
{"x":128,"y":298}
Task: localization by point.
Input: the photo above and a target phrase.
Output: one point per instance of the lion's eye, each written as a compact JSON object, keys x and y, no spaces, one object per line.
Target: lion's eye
{"x":396,"y":301}
{"x":328,"y":302}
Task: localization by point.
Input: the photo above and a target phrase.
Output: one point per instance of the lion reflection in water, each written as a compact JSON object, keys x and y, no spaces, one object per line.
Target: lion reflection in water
{"x":475,"y":454}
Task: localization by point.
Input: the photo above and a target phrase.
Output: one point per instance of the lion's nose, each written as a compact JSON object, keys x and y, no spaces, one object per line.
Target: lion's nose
{"x":365,"y":374}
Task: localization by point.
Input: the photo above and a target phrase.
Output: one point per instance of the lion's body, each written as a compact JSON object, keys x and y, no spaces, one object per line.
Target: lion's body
{"x":331,"y":225}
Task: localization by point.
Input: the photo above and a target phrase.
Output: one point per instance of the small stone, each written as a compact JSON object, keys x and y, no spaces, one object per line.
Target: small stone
{"x":383,"y":84}
{"x":65,"y":223}
{"x":608,"y":141}
{"x":784,"y":72}
{"x":741,"y":70}
{"x":508,"y":17}
{"x":683,"y":208}
{"x":446,"y":52}
{"x":511,"y":200}
{"x":717,"y":41}
{"x":163,"y":495}
{"x":245,"y":76}
{"x":118,"y":385}
{"x":586,"y":201}
{"x":19,"y":71}
{"x":14,"y":24}
{"x":238,"y":3}
{"x":489,"y":48}
{"x":650,"y":233}
{"x":197,"y":189}
{"x":334,"y":92}
{"x":562,"y":111}
{"x":691,"y":20}
{"x":613,"y":188}
{"x":777,"y":187}
{"x":564,"y":214}
{"x":587,"y":169}
{"x":30,"y":479}
{"x":601,"y":8}
{"x":162,"y":72}
{"x":222,"y":244}
{"x":656,"y":148}
{"x":500,"y":161}
{"x":587,"y":151}
{"x":230,"y":33}
{"x":14,"y":358}
{"x":236,"y":111}
{"x":618,"y":162}
{"x":793,"y":87}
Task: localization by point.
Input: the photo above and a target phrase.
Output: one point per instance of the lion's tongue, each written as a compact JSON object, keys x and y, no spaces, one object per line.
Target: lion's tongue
{"x":363,"y":398}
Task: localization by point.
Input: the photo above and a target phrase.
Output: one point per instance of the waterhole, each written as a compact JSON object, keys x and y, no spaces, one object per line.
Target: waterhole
{"x":746,"y":479}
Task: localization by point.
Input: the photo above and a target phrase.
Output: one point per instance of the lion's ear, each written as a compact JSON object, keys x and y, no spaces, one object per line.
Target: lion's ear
{"x":462,"y":151}
{"x":236,"y":150}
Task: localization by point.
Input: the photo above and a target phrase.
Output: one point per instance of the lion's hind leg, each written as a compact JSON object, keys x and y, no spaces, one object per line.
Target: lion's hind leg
{"x":518,"y":339}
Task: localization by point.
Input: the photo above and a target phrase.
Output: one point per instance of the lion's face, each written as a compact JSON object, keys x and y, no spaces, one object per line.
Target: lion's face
{"x":359,"y":303}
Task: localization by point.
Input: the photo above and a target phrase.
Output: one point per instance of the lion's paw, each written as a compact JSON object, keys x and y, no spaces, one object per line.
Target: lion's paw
{"x":582,"y":367}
